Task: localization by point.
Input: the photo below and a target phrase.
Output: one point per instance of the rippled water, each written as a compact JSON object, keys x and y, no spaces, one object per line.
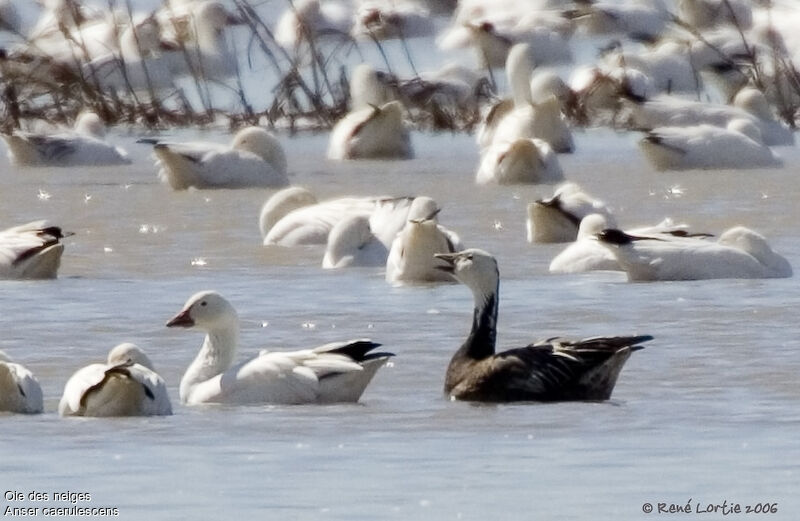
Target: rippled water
{"x":709,"y":411}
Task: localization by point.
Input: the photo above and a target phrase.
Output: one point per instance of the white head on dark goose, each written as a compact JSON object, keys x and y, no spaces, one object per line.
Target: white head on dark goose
{"x":556,"y":369}
{"x":337,"y":372}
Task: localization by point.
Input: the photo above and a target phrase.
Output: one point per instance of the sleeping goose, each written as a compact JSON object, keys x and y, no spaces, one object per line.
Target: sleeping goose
{"x":552,"y":370}
{"x":557,"y":219}
{"x":352,"y":243}
{"x":373,"y":132}
{"x":19,"y":390}
{"x":84,"y":145}
{"x":126,"y":385}
{"x":254,"y":158}
{"x":587,"y":254}
{"x":336,"y":372}
{"x":31,"y":251}
{"x":738,"y":146}
{"x":293,"y":216}
{"x":739,"y":253}
{"x":524,"y":160}
{"x":411,"y":257}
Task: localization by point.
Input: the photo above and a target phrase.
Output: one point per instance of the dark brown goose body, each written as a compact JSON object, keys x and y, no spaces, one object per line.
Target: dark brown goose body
{"x":553,"y":370}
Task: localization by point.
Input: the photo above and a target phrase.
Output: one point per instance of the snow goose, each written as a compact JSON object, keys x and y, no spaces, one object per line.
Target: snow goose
{"x":31,"y":251}
{"x":705,"y":14}
{"x":739,"y":253}
{"x":371,"y":133}
{"x":521,"y":161}
{"x":209,"y":57}
{"x":254,"y":158}
{"x":553,"y":370}
{"x":126,"y":385}
{"x":84,"y":145}
{"x":638,"y":20}
{"x":522,"y":117}
{"x":306,"y":19}
{"x":352,"y":243}
{"x":749,"y":104}
{"x":411,"y":257}
{"x":368,"y":88}
{"x":386,"y":21}
{"x":336,"y":372}
{"x":557,"y":219}
{"x":293,"y":217}
{"x":587,"y":254}
{"x":708,"y":147}
{"x":20,"y":391}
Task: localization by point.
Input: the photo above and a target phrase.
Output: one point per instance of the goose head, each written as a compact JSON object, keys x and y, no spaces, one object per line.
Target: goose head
{"x":476,"y":269}
{"x":547,"y":83}
{"x":746,"y":127}
{"x":368,"y":87}
{"x":423,"y":209}
{"x":258,"y":141}
{"x":753,"y":101}
{"x":206,"y":310}
{"x":127,"y":353}
{"x":349,"y":235}
{"x":210,"y":21}
{"x":90,"y":124}
{"x":592,"y":224}
{"x":281,"y":204}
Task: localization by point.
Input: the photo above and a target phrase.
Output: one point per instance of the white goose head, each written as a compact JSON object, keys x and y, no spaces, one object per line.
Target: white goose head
{"x":423,"y":208}
{"x":281,"y":204}
{"x":366,"y":88}
{"x":753,"y":101}
{"x":593,"y":224}
{"x":206,"y":310}
{"x":476,"y":269}
{"x":127,"y":353}
{"x":90,"y":124}
{"x":210,"y":20}
{"x":258,"y":141}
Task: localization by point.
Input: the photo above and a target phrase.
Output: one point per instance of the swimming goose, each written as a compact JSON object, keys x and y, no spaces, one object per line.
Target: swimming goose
{"x":254,"y":158}
{"x":368,"y":88}
{"x":739,"y":253}
{"x":738,"y":146}
{"x":521,"y":161}
{"x":20,"y":391}
{"x":411,"y":257}
{"x":305,"y":19}
{"x":389,"y":20}
{"x":31,"y":251}
{"x":352,"y":243}
{"x":371,"y":133}
{"x":293,"y":216}
{"x":522,"y":116}
{"x":587,"y":254}
{"x":552,"y":370}
{"x":126,"y":385}
{"x":336,"y":372}
{"x":557,"y":219}
{"x":83,"y":145}
{"x":749,"y":104}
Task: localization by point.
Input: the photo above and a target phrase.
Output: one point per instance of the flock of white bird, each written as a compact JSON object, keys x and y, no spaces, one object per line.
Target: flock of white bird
{"x":695,"y":50}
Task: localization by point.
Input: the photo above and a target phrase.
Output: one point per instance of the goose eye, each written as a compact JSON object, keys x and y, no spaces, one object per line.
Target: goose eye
{"x":204,"y":303}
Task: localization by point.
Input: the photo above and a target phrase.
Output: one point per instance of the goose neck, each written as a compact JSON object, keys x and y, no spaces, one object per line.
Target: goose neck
{"x":480,"y":343}
{"x":215,"y":357}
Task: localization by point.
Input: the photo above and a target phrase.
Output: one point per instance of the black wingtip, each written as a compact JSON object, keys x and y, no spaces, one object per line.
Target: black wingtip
{"x":614,"y":236}
{"x":147,"y":141}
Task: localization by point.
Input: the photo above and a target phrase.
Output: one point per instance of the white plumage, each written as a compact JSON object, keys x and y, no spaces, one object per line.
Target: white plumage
{"x":337,"y":372}
{"x":737,"y":146}
{"x":521,"y":161}
{"x":20,"y":391}
{"x":84,"y":145}
{"x":31,"y":251}
{"x":557,"y":219}
{"x":738,"y":253}
{"x":371,"y":133}
{"x":126,"y":385}
{"x":254,"y":158}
